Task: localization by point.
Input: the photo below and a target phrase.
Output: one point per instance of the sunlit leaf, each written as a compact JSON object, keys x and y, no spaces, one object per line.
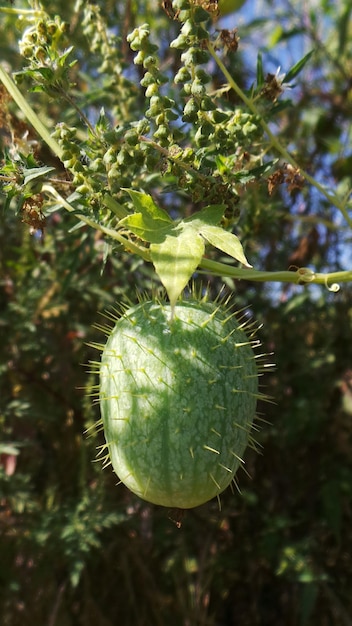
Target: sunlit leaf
{"x":36,"y":172}
{"x":176,"y":259}
{"x":260,"y":71}
{"x":144,"y":204}
{"x":150,"y":223}
{"x":225,"y":241}
{"x":298,"y":67}
{"x":145,"y":227}
{"x":211,"y":214}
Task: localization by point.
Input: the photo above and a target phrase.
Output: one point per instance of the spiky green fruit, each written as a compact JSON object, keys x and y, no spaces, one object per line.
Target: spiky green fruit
{"x":178,"y":397}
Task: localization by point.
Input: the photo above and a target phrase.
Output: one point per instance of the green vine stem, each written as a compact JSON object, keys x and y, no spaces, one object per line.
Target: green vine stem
{"x":300,"y":276}
{"x":332,"y":198}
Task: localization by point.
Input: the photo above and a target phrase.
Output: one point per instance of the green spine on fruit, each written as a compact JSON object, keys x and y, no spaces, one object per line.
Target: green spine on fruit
{"x":178,"y":394}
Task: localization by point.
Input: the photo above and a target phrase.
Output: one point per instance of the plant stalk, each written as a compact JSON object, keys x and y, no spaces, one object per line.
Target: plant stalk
{"x":31,"y":116}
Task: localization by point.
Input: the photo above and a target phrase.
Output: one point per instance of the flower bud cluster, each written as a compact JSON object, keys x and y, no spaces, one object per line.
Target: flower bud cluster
{"x":125,"y":157}
{"x":45,"y":37}
{"x":161,"y":110}
{"x":192,"y":42}
{"x":215,"y":126}
{"x":43,"y":45}
{"x":76,"y":161}
{"x":105,"y":46}
{"x":106,"y":161}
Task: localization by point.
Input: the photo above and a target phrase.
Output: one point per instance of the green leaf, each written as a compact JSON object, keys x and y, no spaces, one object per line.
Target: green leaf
{"x":225,"y":241}
{"x":114,"y":206}
{"x":36,"y":172}
{"x":45,"y":72}
{"x":297,"y":68}
{"x":144,"y":203}
{"x":246,"y":176}
{"x":63,"y":57}
{"x":211,"y":214}
{"x":204,"y":223}
{"x":260,"y":71}
{"x":264,"y":169}
{"x":147,"y":228}
{"x":176,"y":259}
{"x":150,"y":223}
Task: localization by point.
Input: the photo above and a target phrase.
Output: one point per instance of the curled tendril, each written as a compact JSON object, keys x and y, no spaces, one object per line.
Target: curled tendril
{"x":334,"y":287}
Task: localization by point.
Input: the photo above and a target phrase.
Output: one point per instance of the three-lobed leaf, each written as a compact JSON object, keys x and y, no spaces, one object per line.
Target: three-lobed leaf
{"x":177,"y":248}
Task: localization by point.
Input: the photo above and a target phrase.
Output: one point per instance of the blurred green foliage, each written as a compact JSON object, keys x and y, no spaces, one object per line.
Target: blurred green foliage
{"x":75,"y":549}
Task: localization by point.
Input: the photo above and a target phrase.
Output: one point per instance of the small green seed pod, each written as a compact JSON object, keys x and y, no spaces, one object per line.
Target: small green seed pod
{"x":190,"y":111}
{"x":183,"y":75}
{"x":152,"y":90}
